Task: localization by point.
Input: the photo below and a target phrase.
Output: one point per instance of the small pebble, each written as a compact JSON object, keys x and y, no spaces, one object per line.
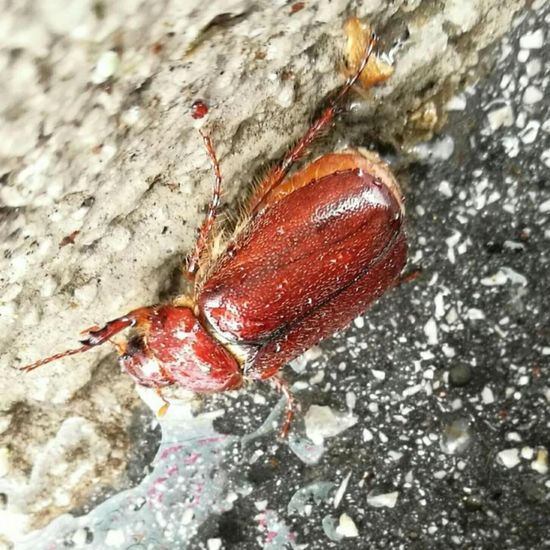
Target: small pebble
{"x":529,"y":133}
{"x":532,"y":95}
{"x":532,"y":40}
{"x":386,"y":500}
{"x":367,"y":435}
{"x":430,"y":330}
{"x":323,"y":422}
{"x":445,"y":189}
{"x":487,"y":395}
{"x":106,"y":67}
{"x":504,"y":116}
{"x":346,"y":527}
{"x":544,"y":206}
{"x":460,"y":375}
{"x":540,"y":464}
{"x":456,"y":437}
{"x":498,"y":279}
{"x":509,"y":457}
{"x":475,"y":314}
{"x":527,"y":453}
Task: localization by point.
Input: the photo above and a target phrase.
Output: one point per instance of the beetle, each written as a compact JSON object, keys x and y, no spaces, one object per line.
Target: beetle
{"x":316,"y":248}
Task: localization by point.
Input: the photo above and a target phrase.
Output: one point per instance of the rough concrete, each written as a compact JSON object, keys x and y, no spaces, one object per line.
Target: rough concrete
{"x":114,"y":162}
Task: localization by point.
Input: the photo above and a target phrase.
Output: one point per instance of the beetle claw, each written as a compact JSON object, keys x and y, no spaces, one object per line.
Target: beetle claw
{"x":163,"y":408}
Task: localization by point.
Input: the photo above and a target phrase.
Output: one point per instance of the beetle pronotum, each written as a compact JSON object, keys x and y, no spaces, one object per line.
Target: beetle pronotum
{"x":317,"y":248}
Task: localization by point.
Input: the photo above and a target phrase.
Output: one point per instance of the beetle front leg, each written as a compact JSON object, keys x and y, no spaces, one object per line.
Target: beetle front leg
{"x":193,"y":263}
{"x":98,"y":336}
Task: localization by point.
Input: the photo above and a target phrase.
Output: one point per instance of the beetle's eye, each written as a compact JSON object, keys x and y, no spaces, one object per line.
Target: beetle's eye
{"x":135,"y":346}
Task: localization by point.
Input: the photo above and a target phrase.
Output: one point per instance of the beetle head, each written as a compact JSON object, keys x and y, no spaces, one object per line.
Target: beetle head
{"x":186,"y":354}
{"x":171,"y":347}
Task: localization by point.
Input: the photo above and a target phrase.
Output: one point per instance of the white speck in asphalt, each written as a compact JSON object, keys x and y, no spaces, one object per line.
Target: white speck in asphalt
{"x":509,"y":457}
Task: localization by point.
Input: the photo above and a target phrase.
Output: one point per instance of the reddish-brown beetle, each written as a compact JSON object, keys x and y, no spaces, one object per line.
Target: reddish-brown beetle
{"x":316,"y":249}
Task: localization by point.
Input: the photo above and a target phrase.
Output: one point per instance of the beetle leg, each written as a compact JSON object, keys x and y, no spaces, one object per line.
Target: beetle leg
{"x":98,"y":336}
{"x":278,"y":173}
{"x":409,"y":277}
{"x":282,"y":386}
{"x":206,"y":228}
{"x":162,"y":410}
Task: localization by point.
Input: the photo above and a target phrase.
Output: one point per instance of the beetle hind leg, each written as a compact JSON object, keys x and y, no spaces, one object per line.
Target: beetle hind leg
{"x":282,"y":386}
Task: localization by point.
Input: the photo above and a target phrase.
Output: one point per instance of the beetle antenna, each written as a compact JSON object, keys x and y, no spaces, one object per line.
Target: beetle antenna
{"x":97,"y":336}
{"x":36,"y":364}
